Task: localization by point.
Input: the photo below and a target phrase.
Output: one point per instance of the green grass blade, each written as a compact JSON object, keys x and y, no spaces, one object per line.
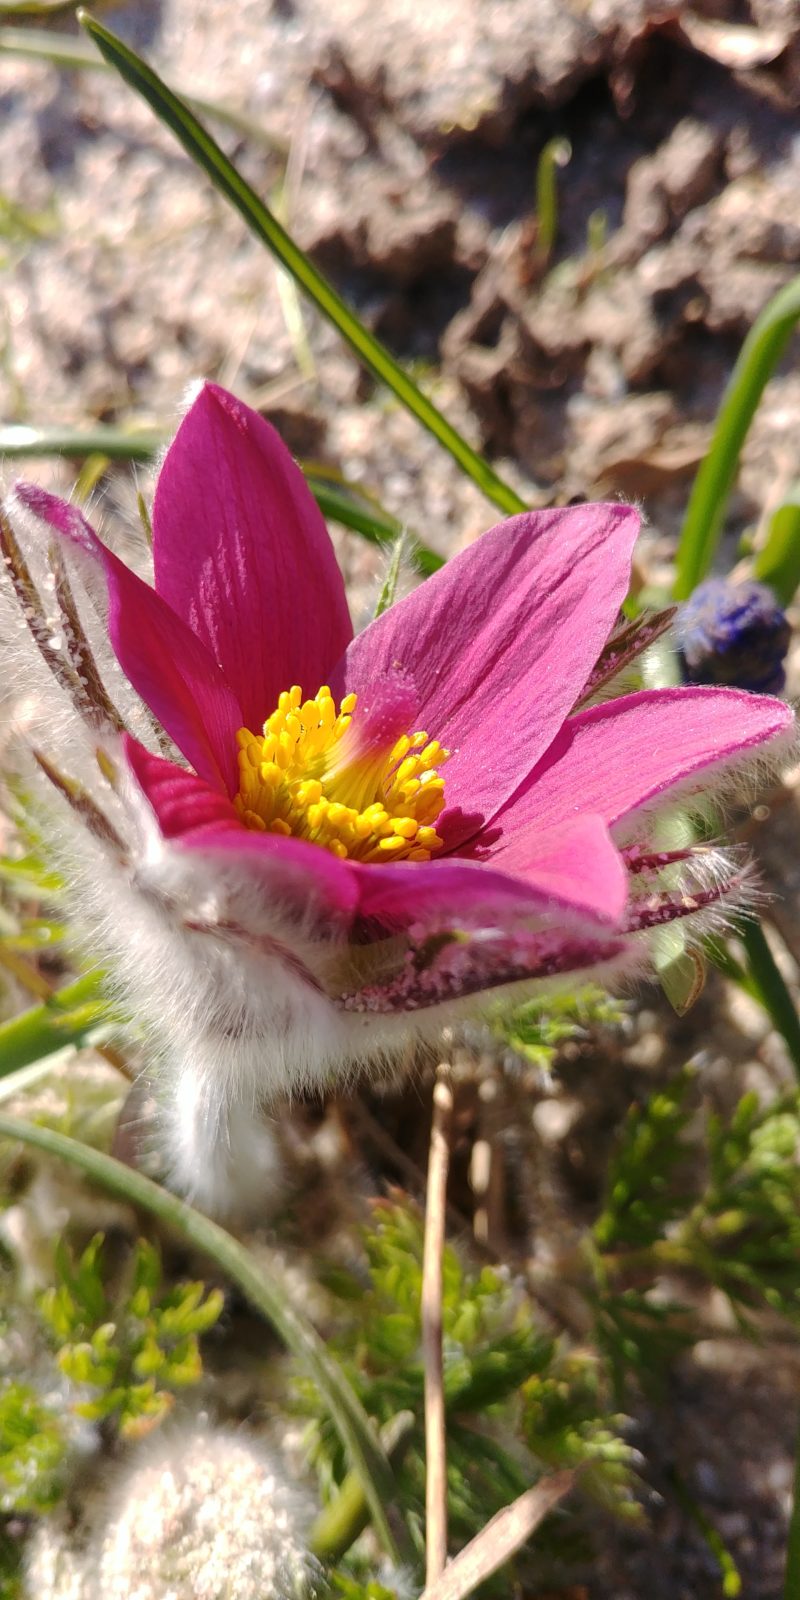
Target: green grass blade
{"x":24,"y":1078}
{"x":21,"y":442}
{"x":778,"y":564}
{"x":337,"y":499}
{"x":791,"y":1582}
{"x":67,"y":1018}
{"x":342,"y":502}
{"x":771,"y":988}
{"x":556,"y":153}
{"x":758,"y":358}
{"x":267,"y":1295}
{"x":61,"y":50}
{"x":203,"y":149}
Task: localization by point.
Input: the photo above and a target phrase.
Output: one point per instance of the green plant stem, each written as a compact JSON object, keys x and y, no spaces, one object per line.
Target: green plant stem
{"x":176,"y":115}
{"x":731,"y":1579}
{"x":778,"y":563}
{"x":21,"y":442}
{"x":772,"y":991}
{"x":708,"y":502}
{"x":267,"y":1295}
{"x":338,"y":1526}
{"x":67,"y":1018}
{"x":791,"y":1584}
{"x":555,"y":154}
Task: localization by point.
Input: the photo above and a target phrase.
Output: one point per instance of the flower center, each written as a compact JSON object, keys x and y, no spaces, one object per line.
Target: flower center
{"x":315,"y":775}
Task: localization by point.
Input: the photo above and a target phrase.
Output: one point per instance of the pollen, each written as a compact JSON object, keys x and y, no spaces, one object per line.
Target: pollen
{"x":311,"y":775}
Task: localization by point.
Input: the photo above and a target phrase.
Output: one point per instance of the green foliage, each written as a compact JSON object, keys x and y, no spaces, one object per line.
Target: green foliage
{"x":641,"y":1197}
{"x":32,"y":1451}
{"x":537,"y":1029}
{"x":350,"y":1588}
{"x":726,"y":1214}
{"x":516,"y":1403}
{"x":132,"y":1353}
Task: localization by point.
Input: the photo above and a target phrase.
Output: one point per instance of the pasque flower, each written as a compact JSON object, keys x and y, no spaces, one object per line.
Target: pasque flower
{"x":302,"y":850}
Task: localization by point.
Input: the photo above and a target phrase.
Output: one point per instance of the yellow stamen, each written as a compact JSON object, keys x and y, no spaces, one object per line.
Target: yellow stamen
{"x":305,"y":777}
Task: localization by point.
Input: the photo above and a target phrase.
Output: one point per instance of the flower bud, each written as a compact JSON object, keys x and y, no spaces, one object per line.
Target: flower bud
{"x":734,"y":633}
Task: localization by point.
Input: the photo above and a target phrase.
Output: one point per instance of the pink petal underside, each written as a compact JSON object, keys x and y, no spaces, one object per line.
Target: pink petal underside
{"x":199,"y":819}
{"x":500,"y":643}
{"x":616,"y":758}
{"x":167,"y":665}
{"x":242,"y":554}
{"x":573,"y":872}
{"x":439,"y":973}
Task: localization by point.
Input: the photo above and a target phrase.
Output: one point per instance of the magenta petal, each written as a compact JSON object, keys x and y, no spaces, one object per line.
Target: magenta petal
{"x":404,"y":893}
{"x":577,"y":866}
{"x":500,"y":643}
{"x":616,"y":758}
{"x":243,"y":555}
{"x":182,"y":802}
{"x":573,"y":872}
{"x":159,"y":654}
{"x":198,"y":818}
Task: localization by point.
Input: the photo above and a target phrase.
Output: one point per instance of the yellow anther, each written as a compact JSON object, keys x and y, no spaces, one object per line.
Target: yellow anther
{"x":429,"y":839}
{"x":251,"y":820}
{"x":302,"y":777}
{"x":404,"y":827}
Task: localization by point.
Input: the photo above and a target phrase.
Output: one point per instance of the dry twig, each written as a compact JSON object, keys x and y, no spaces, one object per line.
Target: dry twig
{"x":435,"y":1441}
{"x":500,"y":1539}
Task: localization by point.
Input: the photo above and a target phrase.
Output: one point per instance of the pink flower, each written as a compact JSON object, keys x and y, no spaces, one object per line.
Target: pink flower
{"x":366,"y":836}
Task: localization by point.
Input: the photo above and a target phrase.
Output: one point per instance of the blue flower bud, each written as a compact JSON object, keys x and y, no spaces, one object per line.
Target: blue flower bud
{"x":734,"y":633}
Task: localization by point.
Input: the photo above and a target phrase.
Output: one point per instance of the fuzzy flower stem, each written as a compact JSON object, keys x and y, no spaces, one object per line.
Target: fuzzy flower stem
{"x":267,"y":1295}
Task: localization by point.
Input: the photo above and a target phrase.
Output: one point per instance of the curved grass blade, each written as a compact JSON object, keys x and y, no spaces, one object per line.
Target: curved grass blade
{"x":341,"y":502}
{"x":67,"y":1018}
{"x":203,"y":149}
{"x":757,"y":360}
{"x":337,"y":499}
{"x":61,"y":50}
{"x":268,"y":1296}
{"x":556,"y":153}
